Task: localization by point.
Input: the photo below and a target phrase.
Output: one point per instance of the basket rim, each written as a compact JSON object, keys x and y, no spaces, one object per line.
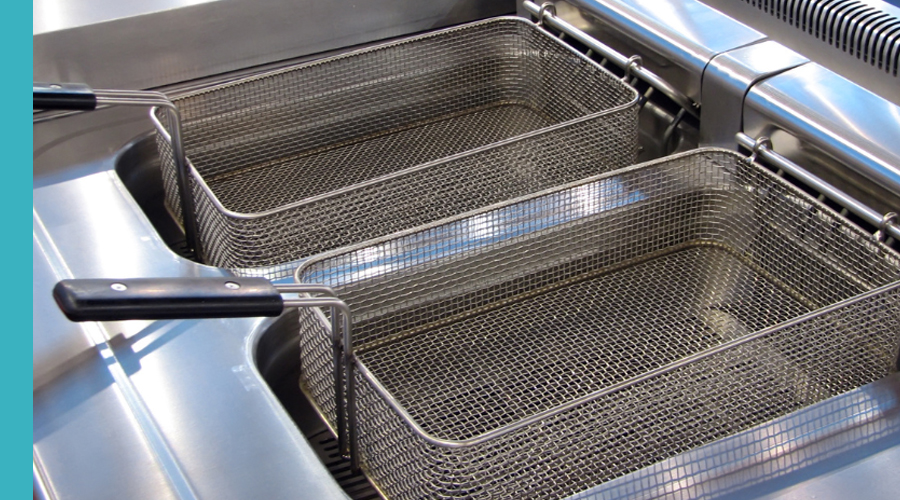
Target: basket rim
{"x":309,"y":261}
{"x":378,"y":47}
{"x":220,"y":207}
{"x":233,"y":214}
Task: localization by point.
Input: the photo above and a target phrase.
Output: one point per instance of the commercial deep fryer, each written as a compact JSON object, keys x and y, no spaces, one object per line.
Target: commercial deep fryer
{"x":196,"y":390}
{"x":549,"y":344}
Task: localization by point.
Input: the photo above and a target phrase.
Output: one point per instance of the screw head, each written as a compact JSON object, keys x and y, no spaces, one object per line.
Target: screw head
{"x":231,"y":285}
{"x":119,"y":287}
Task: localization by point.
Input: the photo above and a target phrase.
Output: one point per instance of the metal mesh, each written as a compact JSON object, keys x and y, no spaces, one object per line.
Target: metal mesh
{"x":582,"y":333}
{"x":328,"y":153}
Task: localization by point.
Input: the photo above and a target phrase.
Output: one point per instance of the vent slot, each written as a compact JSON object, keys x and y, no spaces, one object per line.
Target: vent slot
{"x":859,"y":29}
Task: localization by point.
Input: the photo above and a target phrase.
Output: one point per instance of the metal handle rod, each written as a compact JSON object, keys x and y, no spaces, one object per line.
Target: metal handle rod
{"x":158,"y":99}
{"x":631,"y":65}
{"x":759,"y":147}
{"x":348,"y":430}
{"x":346,"y":446}
{"x":336,"y":348}
{"x":305,"y":288}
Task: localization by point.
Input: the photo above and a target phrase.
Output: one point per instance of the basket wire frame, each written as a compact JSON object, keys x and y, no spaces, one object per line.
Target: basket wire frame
{"x":326,"y":154}
{"x":542,"y":346}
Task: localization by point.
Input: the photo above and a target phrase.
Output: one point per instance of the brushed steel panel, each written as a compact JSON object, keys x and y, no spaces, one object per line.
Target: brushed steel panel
{"x":138,"y":46}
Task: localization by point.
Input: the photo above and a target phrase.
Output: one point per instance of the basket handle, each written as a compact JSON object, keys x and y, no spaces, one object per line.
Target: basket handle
{"x":80,"y":97}
{"x":220,"y":297}
{"x":166,"y":298}
{"x":70,"y":96}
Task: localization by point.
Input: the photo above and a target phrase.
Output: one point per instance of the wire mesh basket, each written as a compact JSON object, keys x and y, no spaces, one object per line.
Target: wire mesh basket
{"x":302,"y":160}
{"x":544,"y":345}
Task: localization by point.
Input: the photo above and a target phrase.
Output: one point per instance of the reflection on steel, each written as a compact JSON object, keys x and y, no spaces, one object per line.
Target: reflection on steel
{"x":858,"y":39}
{"x":41,"y":489}
{"x":135,"y":44}
{"x":728,"y":78}
{"x":829,"y":114}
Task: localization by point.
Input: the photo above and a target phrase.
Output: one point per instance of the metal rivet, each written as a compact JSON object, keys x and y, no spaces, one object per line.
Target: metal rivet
{"x":231,"y":285}
{"x":119,"y":287}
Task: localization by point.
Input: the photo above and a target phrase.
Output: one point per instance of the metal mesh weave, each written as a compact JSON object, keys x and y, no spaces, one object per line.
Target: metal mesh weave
{"x":582,"y":333}
{"x":325,"y":154}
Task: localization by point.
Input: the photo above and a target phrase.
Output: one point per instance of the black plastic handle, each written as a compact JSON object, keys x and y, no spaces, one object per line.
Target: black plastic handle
{"x":75,"y":96}
{"x":167,"y":298}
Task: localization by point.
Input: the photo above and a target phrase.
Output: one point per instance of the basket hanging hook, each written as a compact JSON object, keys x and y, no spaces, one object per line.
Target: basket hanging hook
{"x":762,"y":143}
{"x":634,"y":63}
{"x":890,"y":218}
{"x":546,"y":8}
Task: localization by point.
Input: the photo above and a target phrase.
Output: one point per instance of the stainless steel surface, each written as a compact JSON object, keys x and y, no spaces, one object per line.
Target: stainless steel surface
{"x":193,"y":385}
{"x":728,"y":78}
{"x":224,"y":387}
{"x":306,"y":159}
{"x":545,"y":13}
{"x":833,"y":128}
{"x":676,"y":39}
{"x":117,"y":408}
{"x":40,"y":488}
{"x":63,"y":343}
{"x":845,"y":447}
{"x":887,"y":223}
{"x":140,"y":45}
{"x":857,"y":39}
{"x":50,"y":15}
{"x":83,"y":143}
{"x":87,"y":403}
{"x":543,"y":333}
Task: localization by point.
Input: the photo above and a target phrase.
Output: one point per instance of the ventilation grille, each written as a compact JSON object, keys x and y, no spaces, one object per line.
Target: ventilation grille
{"x":859,"y":29}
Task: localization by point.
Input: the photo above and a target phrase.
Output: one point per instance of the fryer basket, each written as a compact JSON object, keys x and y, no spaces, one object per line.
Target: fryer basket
{"x":302,"y":160}
{"x":547,"y":344}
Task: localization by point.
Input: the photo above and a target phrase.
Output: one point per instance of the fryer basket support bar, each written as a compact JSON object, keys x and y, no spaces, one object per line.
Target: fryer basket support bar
{"x":632,"y":65}
{"x":761,"y":147}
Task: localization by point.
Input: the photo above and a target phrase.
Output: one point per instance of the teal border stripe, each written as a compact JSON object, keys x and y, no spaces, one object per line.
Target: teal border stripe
{"x":14,"y":368}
